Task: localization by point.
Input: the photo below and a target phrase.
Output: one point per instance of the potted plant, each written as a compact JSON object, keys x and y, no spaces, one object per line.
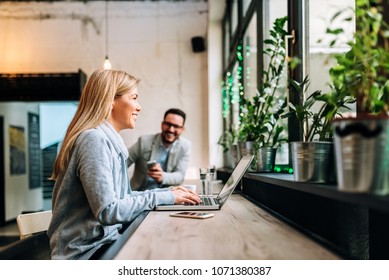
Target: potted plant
{"x":260,"y":132}
{"x":228,"y":141}
{"x":361,"y":142}
{"x":313,"y":158}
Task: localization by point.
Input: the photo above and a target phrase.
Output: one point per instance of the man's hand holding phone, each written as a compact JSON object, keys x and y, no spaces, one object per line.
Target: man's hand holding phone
{"x":155,"y":170}
{"x":151,"y":163}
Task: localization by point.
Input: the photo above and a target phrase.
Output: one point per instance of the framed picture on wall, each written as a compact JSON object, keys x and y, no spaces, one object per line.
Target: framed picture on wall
{"x":17,"y":151}
{"x":34,"y":152}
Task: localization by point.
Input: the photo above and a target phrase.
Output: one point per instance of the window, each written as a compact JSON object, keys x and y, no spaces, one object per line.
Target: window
{"x":318,"y":52}
{"x":250,"y":57}
{"x":274,"y":9}
{"x":234,"y":16}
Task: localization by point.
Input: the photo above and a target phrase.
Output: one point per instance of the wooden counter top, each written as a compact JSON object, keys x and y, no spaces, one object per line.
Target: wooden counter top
{"x":240,"y":230}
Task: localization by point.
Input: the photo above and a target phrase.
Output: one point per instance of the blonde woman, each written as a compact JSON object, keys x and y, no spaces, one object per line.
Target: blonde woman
{"x":92,"y":197}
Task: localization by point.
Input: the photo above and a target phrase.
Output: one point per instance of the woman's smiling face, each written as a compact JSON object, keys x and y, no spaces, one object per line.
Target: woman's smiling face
{"x":125,"y":110}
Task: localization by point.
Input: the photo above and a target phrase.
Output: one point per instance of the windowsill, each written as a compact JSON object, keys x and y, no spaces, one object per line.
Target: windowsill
{"x":380,"y":203}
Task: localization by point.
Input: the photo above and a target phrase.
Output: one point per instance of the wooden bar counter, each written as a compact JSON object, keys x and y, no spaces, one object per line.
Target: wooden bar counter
{"x":240,"y":230}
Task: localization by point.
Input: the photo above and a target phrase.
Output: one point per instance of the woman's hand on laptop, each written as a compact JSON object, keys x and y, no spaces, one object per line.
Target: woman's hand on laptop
{"x":183,"y":195}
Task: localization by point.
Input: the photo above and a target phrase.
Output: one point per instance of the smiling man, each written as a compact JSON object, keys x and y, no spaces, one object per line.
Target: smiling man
{"x":170,"y":152}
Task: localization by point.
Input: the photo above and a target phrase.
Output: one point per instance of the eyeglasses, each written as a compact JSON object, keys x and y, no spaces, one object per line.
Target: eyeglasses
{"x":175,"y":126}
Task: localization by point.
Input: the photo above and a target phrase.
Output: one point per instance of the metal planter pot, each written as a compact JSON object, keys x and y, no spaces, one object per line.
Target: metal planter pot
{"x":248,"y":148}
{"x":232,"y":156}
{"x":362,"y":155}
{"x":313,"y":162}
{"x":266,"y":159}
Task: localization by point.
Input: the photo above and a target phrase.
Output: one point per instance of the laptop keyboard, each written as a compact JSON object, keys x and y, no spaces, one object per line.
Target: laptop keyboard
{"x":206,"y":201}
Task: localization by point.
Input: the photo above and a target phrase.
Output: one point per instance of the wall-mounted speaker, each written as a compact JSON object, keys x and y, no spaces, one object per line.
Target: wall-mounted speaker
{"x":198,"y":44}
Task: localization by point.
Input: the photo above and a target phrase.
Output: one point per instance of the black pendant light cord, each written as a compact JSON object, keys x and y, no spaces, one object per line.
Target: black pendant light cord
{"x":106,"y":29}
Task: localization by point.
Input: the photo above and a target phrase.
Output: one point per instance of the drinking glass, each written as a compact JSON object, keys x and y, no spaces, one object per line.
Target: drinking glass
{"x":203,"y":178}
{"x":212,"y":172}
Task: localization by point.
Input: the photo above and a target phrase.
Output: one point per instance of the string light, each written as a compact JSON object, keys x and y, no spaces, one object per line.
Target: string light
{"x":232,"y":86}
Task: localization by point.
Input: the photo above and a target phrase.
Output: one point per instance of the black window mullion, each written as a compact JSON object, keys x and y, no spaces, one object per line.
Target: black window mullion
{"x":295,"y":22}
{"x":260,"y":45}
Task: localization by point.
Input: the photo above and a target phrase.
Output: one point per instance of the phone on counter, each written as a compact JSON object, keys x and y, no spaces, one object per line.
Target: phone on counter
{"x":151,"y":163}
{"x":192,"y":215}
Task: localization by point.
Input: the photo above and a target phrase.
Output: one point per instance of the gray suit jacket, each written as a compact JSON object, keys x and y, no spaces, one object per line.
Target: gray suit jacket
{"x":146,"y":148}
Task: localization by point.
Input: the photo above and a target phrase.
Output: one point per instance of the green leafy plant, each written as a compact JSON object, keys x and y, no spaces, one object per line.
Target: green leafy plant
{"x":363,"y":71}
{"x":228,"y":138}
{"x":260,"y":115}
{"x":317,"y":125}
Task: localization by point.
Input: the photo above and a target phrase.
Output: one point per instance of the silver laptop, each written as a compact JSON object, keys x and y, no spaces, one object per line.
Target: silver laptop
{"x":210,"y":202}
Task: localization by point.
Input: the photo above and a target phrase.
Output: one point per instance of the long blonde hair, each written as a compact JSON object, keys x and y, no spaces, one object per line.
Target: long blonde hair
{"x":94,"y":107}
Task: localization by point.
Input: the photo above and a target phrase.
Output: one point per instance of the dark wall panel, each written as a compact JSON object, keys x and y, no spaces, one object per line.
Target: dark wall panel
{"x":42,"y":86}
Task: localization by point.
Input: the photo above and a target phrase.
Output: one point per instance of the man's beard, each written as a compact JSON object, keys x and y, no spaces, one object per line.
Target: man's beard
{"x":166,"y":141}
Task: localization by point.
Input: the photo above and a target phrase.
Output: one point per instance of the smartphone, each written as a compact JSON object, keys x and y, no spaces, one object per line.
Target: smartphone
{"x":151,"y":163}
{"x":193,"y":215}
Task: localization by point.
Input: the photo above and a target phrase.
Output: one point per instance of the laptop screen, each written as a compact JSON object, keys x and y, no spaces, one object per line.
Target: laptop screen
{"x":234,"y":179}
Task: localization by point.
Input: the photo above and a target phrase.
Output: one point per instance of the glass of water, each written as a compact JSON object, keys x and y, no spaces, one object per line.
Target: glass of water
{"x":203,"y":178}
{"x":212,"y":172}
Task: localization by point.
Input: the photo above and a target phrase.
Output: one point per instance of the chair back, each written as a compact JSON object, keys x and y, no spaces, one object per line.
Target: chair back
{"x":31,"y":223}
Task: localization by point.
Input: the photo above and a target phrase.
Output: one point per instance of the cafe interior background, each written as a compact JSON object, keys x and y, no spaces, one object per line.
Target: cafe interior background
{"x":179,"y":49}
